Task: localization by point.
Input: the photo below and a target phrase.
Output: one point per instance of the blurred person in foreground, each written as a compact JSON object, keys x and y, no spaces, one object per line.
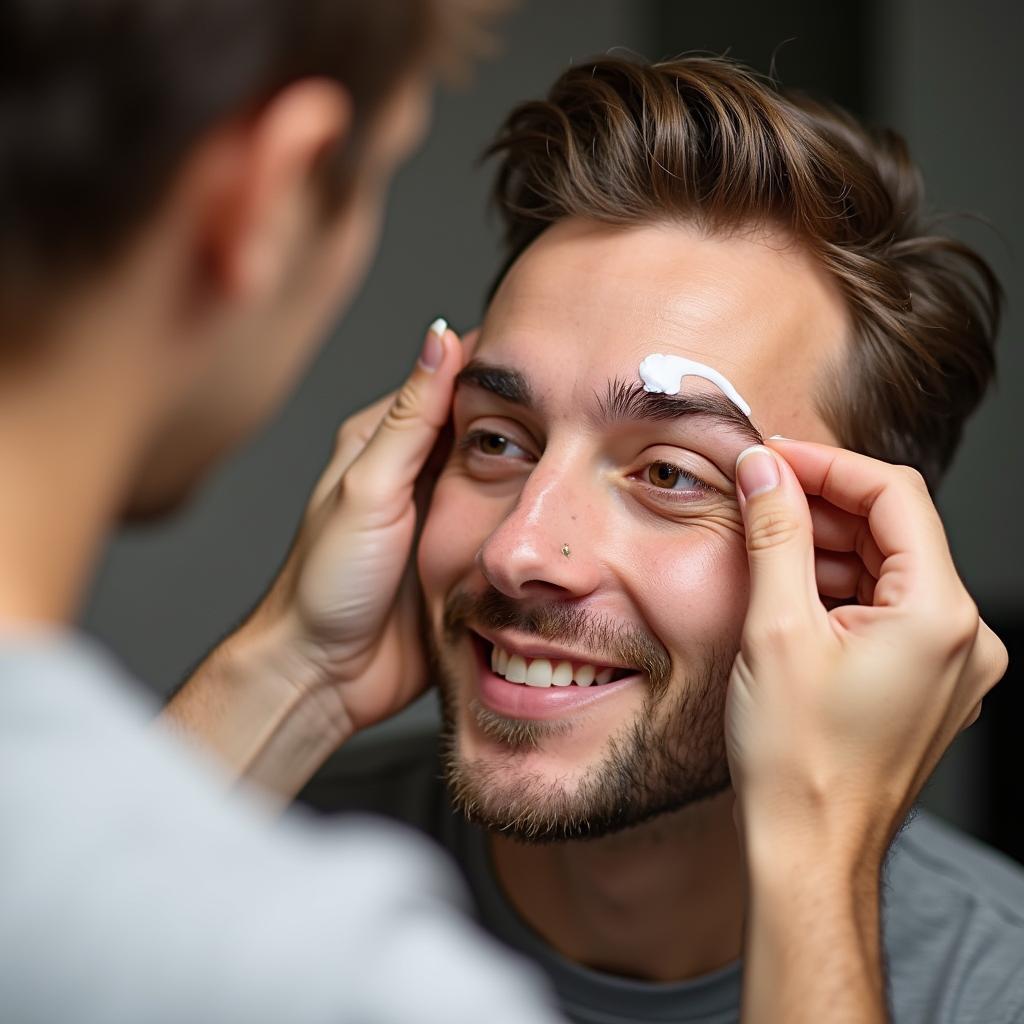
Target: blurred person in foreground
{"x":587,"y":579}
{"x":189,"y":193}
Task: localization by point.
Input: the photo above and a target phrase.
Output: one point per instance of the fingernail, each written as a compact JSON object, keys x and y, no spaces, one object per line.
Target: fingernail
{"x":757,"y":472}
{"x":433,"y":348}
{"x":779,"y":437}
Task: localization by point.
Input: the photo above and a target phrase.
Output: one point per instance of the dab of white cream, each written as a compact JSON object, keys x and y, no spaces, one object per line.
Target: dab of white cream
{"x":663,"y":375}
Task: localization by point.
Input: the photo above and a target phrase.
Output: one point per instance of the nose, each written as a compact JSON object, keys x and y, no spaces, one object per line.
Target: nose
{"x":548,"y":545}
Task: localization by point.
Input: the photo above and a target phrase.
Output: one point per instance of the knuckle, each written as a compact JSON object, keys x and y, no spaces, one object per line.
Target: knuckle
{"x":345,"y":433}
{"x":1000,"y":661}
{"x":359,"y":485}
{"x":994,"y":659}
{"x":963,"y":622}
{"x":863,"y":540}
{"x":913,"y":477}
{"x":941,"y":623}
{"x":973,"y":716}
{"x":358,"y":427}
{"x":775,"y":632}
{"x":406,"y":408}
{"x":355,"y":429}
{"x":771,"y":529}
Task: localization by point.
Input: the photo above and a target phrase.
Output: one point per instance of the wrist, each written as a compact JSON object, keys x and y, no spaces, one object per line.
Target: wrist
{"x":845,"y":832}
{"x":812,"y":929}
{"x":263,"y":703}
{"x":828,"y":858}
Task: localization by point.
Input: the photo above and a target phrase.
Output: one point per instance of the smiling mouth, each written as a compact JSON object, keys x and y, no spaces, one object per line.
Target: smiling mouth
{"x":549,"y":672}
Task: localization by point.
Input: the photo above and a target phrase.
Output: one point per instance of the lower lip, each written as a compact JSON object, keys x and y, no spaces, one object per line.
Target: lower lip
{"x":518,"y":700}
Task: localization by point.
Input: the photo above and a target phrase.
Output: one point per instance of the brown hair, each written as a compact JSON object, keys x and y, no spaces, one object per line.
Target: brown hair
{"x":101,"y":100}
{"x":706,"y":140}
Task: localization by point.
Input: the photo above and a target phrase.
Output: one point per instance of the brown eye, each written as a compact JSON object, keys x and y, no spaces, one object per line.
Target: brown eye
{"x":661,"y":474}
{"x":492,"y":444}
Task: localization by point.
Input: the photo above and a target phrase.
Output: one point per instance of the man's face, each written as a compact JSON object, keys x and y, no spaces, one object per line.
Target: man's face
{"x":580,"y":521}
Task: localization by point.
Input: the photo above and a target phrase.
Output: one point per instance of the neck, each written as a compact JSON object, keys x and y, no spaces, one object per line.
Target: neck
{"x":660,"y":902}
{"x":70,"y":421}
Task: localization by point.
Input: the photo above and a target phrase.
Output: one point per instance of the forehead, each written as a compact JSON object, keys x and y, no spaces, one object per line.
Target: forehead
{"x":587,"y":302}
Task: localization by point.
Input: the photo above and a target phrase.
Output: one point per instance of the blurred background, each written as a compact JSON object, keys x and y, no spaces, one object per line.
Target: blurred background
{"x":944,"y":74}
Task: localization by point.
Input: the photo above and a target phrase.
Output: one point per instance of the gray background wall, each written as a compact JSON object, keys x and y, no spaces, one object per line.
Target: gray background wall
{"x":943,"y":73}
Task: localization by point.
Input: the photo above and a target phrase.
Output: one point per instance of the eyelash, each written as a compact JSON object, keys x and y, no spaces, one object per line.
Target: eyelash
{"x":670,"y":494}
{"x":469,"y":444}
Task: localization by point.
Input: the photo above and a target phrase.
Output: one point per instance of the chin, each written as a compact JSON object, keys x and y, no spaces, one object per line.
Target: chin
{"x":554,"y":764}
{"x":157,"y":497}
{"x":148,"y":509}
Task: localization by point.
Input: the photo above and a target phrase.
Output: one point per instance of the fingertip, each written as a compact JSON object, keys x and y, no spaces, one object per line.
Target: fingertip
{"x":438,"y":346}
{"x":433,"y":352}
{"x":757,"y":471}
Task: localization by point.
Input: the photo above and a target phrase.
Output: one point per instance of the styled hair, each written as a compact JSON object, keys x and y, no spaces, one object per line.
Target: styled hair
{"x":100,"y":101}
{"x":706,"y":141}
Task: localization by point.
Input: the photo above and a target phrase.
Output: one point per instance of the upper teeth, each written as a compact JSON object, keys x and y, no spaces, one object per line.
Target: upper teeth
{"x":543,"y":672}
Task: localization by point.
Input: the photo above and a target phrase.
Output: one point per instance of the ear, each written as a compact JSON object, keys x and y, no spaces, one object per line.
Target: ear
{"x":254,"y":186}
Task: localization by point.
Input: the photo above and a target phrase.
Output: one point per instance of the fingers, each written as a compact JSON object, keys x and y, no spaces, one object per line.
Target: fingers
{"x":780,"y":549}
{"x":837,"y":530}
{"x":358,"y":429}
{"x":843,"y":576}
{"x":382,"y":476}
{"x":903,"y":522}
{"x":352,"y":438}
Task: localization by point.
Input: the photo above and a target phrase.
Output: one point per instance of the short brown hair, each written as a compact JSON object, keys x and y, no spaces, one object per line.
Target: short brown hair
{"x":100,"y":101}
{"x":708,"y":141}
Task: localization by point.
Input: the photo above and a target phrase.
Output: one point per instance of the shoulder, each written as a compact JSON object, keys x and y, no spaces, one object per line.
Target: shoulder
{"x":959,"y":864}
{"x":954,"y":927}
{"x":395,"y":774}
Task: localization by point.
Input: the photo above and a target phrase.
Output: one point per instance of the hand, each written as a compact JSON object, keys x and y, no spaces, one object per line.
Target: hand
{"x":335,"y":645}
{"x":347,"y":593}
{"x":836,"y":718}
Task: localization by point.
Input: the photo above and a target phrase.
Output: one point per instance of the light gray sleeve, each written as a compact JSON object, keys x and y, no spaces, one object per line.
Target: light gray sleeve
{"x":132,"y":890}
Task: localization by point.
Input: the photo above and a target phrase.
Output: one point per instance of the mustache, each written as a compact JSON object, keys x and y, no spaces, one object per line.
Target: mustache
{"x":562,"y":623}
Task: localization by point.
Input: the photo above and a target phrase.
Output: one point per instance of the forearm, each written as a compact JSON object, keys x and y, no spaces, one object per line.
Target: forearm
{"x":261,"y":709}
{"x":812,"y":946}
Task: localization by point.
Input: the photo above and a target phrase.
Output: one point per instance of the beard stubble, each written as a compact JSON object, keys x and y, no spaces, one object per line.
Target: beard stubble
{"x":671,"y":755}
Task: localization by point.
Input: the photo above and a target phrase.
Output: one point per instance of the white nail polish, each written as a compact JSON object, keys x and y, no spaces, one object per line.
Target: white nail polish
{"x":439,"y":326}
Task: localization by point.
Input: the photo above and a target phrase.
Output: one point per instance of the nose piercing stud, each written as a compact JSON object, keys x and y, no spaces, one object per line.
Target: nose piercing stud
{"x":565,"y":550}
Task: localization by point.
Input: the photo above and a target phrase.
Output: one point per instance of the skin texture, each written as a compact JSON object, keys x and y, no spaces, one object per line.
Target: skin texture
{"x":757,"y":310}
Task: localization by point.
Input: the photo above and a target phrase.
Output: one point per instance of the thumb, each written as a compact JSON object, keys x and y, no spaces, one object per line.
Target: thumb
{"x":780,"y":544}
{"x":385,"y":471}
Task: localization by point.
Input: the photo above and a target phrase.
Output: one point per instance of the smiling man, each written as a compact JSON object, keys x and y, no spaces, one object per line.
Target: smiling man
{"x":583,"y":561}
{"x":600,"y":556}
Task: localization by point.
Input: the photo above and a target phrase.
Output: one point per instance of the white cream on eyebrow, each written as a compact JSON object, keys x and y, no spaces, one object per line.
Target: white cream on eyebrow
{"x":663,"y":375}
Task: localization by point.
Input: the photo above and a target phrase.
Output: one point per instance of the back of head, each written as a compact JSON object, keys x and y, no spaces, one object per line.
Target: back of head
{"x":101,"y":100}
{"x":706,"y":141}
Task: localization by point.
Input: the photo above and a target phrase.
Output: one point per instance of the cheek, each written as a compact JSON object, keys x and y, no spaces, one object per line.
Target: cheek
{"x":455,"y":528}
{"x":697,"y":595}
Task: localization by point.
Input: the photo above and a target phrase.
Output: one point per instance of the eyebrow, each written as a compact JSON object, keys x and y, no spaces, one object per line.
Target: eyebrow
{"x":498,"y":380}
{"x":629,"y":400}
{"x":623,"y":401}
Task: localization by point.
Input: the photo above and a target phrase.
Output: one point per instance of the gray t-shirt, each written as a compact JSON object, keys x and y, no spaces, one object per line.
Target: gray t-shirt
{"x":134,"y":888}
{"x":953,"y":910}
